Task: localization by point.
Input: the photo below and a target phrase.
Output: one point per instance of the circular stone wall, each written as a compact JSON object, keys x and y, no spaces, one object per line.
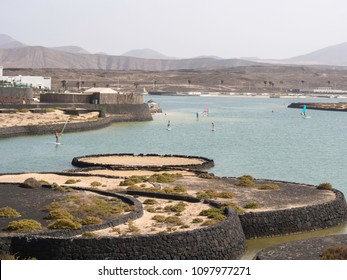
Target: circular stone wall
{"x":141,"y":161}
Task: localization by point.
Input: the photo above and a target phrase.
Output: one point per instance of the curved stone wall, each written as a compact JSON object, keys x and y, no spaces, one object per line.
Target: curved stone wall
{"x":224,"y":240}
{"x":295,"y":220}
{"x":207,"y":163}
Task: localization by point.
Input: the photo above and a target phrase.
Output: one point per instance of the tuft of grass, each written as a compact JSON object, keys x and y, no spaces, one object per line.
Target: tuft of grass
{"x":64,"y":224}
{"x":269,"y":187}
{"x":251,"y":205}
{"x":209,"y":223}
{"x":91,"y":220}
{"x":213,"y":194}
{"x":24,"y":225}
{"x":177,"y":208}
{"x":159,"y":218}
{"x":71,"y":181}
{"x":336,"y":252}
{"x":245,"y":181}
{"x":214,"y":213}
{"x":133,"y":180}
{"x":325,"y":186}
{"x":197,"y":221}
{"x":238,"y":209}
{"x":208,"y":176}
{"x":8,"y":212}
{"x":89,"y":234}
{"x":59,"y":214}
{"x":150,"y":201}
{"x":95,"y":184}
{"x":134,"y":230}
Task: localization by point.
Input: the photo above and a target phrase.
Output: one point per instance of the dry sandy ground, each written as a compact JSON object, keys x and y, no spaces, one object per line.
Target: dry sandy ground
{"x":145,"y":224}
{"x":55,"y":117}
{"x":142,"y":161}
{"x":287,"y":196}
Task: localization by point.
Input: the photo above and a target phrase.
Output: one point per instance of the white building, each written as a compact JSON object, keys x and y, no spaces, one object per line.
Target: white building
{"x":30,"y":81}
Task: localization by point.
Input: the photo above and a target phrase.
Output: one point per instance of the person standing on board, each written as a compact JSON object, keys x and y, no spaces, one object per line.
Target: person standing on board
{"x":213,"y":127}
{"x":56,"y":137}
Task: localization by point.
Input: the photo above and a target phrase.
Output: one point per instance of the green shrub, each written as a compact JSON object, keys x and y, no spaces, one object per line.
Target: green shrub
{"x":89,"y":234}
{"x":132,"y":228}
{"x":95,"y":184}
{"x":336,"y":252}
{"x":325,"y":186}
{"x":173,"y":220}
{"x":212,"y":194}
{"x":8,"y":212}
{"x":245,"y":181}
{"x":24,"y":225}
{"x":133,"y":180}
{"x":228,"y":195}
{"x":180,"y":189}
{"x":251,"y":205}
{"x":238,"y":209}
{"x":214,"y":213}
{"x":178,"y":208}
{"x":31,"y":183}
{"x":197,"y":221}
{"x":208,"y":176}
{"x":64,"y":224}
{"x":159,"y":218}
{"x":150,"y":201}
{"x":269,"y":187}
{"x":164,"y":177}
{"x":209,"y":223}
{"x":59,"y":214}
{"x":91,"y":220}
{"x":71,"y":181}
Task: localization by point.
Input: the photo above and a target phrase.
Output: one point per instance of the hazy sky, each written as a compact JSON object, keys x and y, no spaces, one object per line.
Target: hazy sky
{"x":179,"y":28}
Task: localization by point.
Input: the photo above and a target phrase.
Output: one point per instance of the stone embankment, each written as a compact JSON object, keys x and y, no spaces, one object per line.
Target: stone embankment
{"x":339,"y":107}
{"x":117,"y":113}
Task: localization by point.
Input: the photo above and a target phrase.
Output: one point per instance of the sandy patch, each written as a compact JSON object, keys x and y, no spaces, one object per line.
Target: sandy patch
{"x":142,"y":161}
{"x":128,"y":173}
{"x":147,"y":225}
{"x":55,"y":117}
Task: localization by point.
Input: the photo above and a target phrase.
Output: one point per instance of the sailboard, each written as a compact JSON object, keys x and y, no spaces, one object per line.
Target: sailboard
{"x":205,"y":112}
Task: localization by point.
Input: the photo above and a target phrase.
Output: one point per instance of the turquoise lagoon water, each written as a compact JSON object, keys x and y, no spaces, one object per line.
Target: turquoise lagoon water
{"x":257,"y":136}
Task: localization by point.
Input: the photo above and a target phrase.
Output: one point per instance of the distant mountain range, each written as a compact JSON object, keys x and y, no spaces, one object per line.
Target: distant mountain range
{"x":15,"y":54}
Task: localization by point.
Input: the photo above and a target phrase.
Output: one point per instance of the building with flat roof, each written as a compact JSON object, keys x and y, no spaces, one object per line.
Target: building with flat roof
{"x":36,"y":82}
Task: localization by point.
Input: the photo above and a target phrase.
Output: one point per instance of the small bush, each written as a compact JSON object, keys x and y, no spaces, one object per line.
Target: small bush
{"x":59,"y":214}
{"x":64,"y":224}
{"x":95,"y":184}
{"x":71,"y":181}
{"x":164,"y":177}
{"x":238,"y":209}
{"x":214,"y":213}
{"x":209,"y":223}
{"x":91,"y":220}
{"x":31,"y":183}
{"x":89,"y":234}
{"x":159,"y":218}
{"x":245,"y":181}
{"x":325,"y":186}
{"x":8,"y":212}
{"x":150,"y":201}
{"x":212,"y":194}
{"x":24,"y":225}
{"x":207,"y":176}
{"x":133,"y":180}
{"x":337,"y":252}
{"x":174,"y":221}
{"x":251,"y":205}
{"x":180,"y":189}
{"x":197,"y":221}
{"x":132,"y":228}
{"x":178,"y":208}
{"x":269,"y":187}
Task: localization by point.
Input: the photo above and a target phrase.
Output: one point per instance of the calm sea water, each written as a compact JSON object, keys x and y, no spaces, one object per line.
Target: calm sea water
{"x":257,"y":136}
